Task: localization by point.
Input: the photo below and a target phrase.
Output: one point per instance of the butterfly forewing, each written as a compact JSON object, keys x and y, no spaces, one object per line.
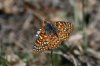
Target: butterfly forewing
{"x":41,"y":43}
{"x":64,"y":29}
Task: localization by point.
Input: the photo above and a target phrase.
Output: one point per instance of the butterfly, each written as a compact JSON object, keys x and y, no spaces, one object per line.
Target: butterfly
{"x":51,"y":35}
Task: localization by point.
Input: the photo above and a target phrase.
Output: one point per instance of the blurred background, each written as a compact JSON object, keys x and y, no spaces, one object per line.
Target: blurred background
{"x":21,"y":19}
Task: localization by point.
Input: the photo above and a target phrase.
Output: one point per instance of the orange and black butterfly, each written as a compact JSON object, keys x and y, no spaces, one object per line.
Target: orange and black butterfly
{"x":51,"y":35}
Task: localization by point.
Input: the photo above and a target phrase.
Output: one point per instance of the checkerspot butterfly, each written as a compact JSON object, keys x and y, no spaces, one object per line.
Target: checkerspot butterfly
{"x":51,"y":35}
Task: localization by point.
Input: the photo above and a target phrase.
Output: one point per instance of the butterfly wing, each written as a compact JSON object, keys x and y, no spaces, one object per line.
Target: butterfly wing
{"x":54,"y":42}
{"x":64,"y":29}
{"x":41,"y":43}
{"x":46,"y":35}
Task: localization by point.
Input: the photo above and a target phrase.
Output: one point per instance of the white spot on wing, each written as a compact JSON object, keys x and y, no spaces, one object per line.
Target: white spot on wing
{"x":38,"y":32}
